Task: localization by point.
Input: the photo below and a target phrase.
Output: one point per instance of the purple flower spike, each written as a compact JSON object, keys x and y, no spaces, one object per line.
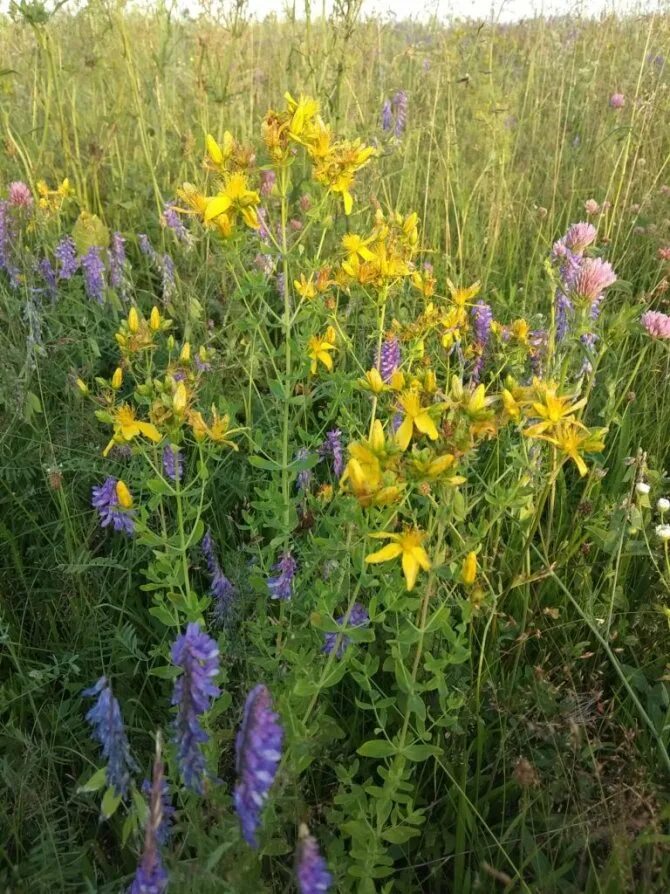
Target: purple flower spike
{"x":164,"y":827}
{"x":222,"y":589}
{"x":304,"y":478}
{"x":258,"y":751}
{"x":173,"y":463}
{"x":198,"y":657}
{"x":105,"y":499}
{"x":151,"y":876}
{"x":66,"y":255}
{"x":387,"y":115}
{"x":281,"y":585}
{"x":94,"y":274}
{"x":332,"y":447}
{"x":358,"y":617}
{"x":107,"y":723}
{"x":389,"y":358}
{"x":482,"y":318}
{"x":268,"y":179}
{"x":173,"y":221}
{"x":312,"y":870}
{"x":400,"y":106}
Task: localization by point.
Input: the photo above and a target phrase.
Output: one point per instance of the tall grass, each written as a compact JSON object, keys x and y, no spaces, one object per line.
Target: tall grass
{"x":554,"y":777}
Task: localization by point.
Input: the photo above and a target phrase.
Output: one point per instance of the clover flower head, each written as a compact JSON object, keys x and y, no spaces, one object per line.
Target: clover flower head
{"x":656,"y":323}
{"x":19,"y":195}
{"x":258,"y":751}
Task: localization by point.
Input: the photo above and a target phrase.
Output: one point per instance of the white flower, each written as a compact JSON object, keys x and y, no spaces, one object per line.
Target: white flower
{"x":663,"y":532}
{"x":642,"y":487}
{"x":663,"y":504}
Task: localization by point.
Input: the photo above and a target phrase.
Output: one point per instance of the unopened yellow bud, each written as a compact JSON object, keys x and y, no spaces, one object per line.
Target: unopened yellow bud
{"x":469,"y":569}
{"x":133,"y":320}
{"x":179,"y":398}
{"x":373,"y":381}
{"x":123,"y":495}
{"x":213,"y":150}
{"x":155,"y":319}
{"x":117,"y":378}
{"x":185,"y":355}
{"x":82,"y":386}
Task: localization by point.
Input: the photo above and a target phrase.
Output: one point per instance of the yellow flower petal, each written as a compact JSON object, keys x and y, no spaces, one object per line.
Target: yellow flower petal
{"x":385,"y":554}
{"x":410,"y":568}
{"x":404,"y":434}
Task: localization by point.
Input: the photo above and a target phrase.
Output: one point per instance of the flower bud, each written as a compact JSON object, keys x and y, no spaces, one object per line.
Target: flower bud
{"x":82,"y":386}
{"x":123,"y":495}
{"x":155,"y":319}
{"x":642,"y":488}
{"x":469,"y":569}
{"x":185,"y":355}
{"x":663,"y":504}
{"x":133,"y":320}
{"x":663,"y":532}
{"x":117,"y":378}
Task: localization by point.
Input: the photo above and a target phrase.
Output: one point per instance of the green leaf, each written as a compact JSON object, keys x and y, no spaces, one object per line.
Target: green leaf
{"x":109,"y":803}
{"x":159,"y":486}
{"x":400,"y":834}
{"x":419,"y":753}
{"x":164,"y":616}
{"x":96,"y":781}
{"x":276,"y":847}
{"x":261,"y":463}
{"x":377,"y":748}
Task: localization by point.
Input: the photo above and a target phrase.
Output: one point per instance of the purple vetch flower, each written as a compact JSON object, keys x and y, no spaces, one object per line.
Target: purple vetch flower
{"x":258,"y":752}
{"x":105,"y":499}
{"x":588,"y":341}
{"x":482,"y":318}
{"x":94,"y":274}
{"x":48,"y":274}
{"x":151,"y":876}
{"x":166,"y":267}
{"x":304,"y":478}
{"x":145,"y":245}
{"x":66,"y":255}
{"x":563,"y":312}
{"x":268,"y":179}
{"x":203,"y":366}
{"x":173,"y":463}
{"x":19,"y":195}
{"x":164,"y":827}
{"x":593,"y":277}
{"x":358,"y":617}
{"x":198,"y":657}
{"x":311,"y":869}
{"x":400,"y":106}
{"x":263,"y":232}
{"x":389,"y":358}
{"x":281,"y":286}
{"x":118,"y":264}
{"x":222,"y":588}
{"x":396,"y":421}
{"x":107,"y":724}
{"x":387,"y":115}
{"x":332,"y":447}
{"x":171,"y":219}
{"x":281,"y":585}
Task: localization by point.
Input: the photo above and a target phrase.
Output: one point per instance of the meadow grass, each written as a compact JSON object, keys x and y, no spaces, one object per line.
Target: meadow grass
{"x":509,"y":732}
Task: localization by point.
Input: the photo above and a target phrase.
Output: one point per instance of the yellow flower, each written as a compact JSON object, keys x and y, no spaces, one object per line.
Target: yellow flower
{"x":462,"y":296}
{"x":552,"y":410}
{"x":510,"y":404}
{"x":372,"y":381}
{"x":127,"y":427}
{"x":408,"y":546}
{"x":155,"y":319}
{"x":123,"y":495}
{"x":417,"y":417}
{"x":117,"y":378}
{"x":305,"y":287}
{"x":572,"y":438}
{"x":185,"y":354}
{"x":303,"y":112}
{"x":234,"y":197}
{"x":469,"y":569}
{"x":357,"y":247}
{"x":520,"y":331}
{"x":179,"y":398}
{"x":133,"y":320}
{"x":219,"y":431}
{"x":319,"y":348}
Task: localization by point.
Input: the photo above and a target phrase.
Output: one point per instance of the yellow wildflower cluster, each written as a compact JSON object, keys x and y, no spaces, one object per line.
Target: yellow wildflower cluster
{"x":51,"y":200}
{"x":383,"y":256}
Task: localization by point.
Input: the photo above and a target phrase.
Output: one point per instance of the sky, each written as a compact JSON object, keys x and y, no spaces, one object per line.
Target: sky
{"x":498,"y":10}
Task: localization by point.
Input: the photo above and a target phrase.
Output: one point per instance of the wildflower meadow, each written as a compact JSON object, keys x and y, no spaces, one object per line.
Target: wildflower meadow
{"x":334,"y":451}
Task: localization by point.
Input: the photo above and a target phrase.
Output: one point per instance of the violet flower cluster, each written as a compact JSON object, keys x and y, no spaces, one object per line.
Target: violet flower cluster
{"x":312,"y":872}
{"x":222,"y":589}
{"x":389,"y":358}
{"x":332,"y":448}
{"x":258,"y":752}
{"x":280,"y":584}
{"x":108,"y":730}
{"x":197,"y":655}
{"x":93,"y":269}
{"x":151,"y":876}
{"x":482,"y":320}
{"x":358,"y":617}
{"x":173,"y":463}
{"x":105,"y":500}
